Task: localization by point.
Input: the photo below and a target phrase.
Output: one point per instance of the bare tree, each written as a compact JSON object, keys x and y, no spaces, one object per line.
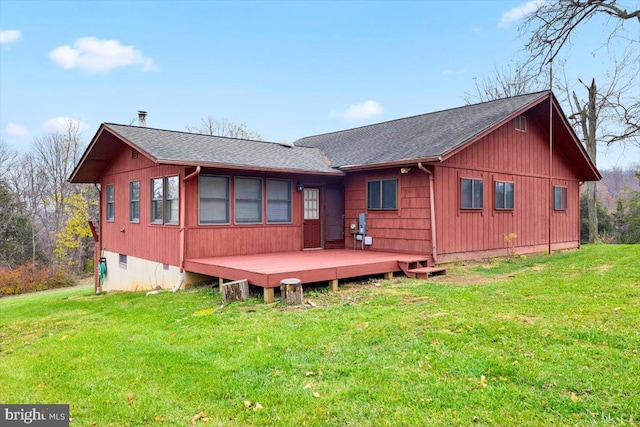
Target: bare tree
{"x":7,"y":157}
{"x":222,"y":127}
{"x":57,"y":153}
{"x":505,"y":82}
{"x":611,"y":112}
{"x":551,"y":26}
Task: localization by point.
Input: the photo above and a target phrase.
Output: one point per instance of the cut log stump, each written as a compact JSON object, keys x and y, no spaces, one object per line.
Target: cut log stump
{"x":234,"y":291}
{"x":291,"y":291}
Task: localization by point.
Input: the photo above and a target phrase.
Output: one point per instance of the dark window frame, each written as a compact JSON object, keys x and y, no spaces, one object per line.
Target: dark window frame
{"x":171,"y":202}
{"x":227,"y":201}
{"x":159,"y":203}
{"x":376,"y":200}
{"x":560,"y":197}
{"x":473,"y":206}
{"x":110,"y":203}
{"x":134,"y":204}
{"x":288,"y":202}
{"x":504,"y":202}
{"x":239,"y":201}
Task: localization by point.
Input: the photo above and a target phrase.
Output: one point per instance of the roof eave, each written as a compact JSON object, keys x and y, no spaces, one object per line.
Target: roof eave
{"x":395,"y":163}
{"x":94,"y":141}
{"x":229,"y":166}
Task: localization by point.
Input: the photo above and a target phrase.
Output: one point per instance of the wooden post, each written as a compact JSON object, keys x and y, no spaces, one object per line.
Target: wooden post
{"x":388,"y":276}
{"x":291,"y":291}
{"x":220,"y":281}
{"x":233,"y":291}
{"x":268,"y":295}
{"x":334,"y":285}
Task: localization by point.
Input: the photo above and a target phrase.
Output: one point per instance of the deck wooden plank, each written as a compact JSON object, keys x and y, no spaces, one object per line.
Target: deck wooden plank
{"x":267,"y":270}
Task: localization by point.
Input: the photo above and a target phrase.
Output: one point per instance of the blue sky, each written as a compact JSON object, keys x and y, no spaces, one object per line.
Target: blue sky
{"x":286,"y":69}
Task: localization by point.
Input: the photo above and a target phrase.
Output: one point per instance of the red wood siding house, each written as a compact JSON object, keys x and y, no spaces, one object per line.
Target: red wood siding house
{"x":444,"y":186}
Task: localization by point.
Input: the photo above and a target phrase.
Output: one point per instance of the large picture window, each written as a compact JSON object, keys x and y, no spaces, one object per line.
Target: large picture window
{"x":471,"y":193}
{"x":560,"y":198}
{"x":165,"y":200}
{"x":382,"y":194}
{"x":278,"y":201}
{"x":248,"y":200}
{"x":504,"y":195}
{"x":134,"y":201}
{"x":111,"y":202}
{"x":214,"y":199}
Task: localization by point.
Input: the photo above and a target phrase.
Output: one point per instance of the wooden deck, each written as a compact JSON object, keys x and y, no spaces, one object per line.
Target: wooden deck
{"x":267,"y":270}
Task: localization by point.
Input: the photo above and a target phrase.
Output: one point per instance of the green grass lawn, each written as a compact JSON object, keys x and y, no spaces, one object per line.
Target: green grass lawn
{"x":550,"y":340}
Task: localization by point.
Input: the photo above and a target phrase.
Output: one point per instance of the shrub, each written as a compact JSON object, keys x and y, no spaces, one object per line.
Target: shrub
{"x":30,"y":278}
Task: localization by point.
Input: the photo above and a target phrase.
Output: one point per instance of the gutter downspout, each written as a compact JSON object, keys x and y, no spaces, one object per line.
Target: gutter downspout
{"x":552,"y":195}
{"x":434,"y":246}
{"x":183,"y":209}
{"x":97,"y":286}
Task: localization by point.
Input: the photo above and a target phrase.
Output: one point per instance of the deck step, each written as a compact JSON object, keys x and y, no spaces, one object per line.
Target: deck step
{"x":426,"y":272}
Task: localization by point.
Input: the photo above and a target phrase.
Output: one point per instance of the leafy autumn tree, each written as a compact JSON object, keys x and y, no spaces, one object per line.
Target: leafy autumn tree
{"x":74,"y":239}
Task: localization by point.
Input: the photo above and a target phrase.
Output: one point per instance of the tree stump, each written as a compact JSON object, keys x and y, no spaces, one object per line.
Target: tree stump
{"x":291,"y":291}
{"x":234,"y":291}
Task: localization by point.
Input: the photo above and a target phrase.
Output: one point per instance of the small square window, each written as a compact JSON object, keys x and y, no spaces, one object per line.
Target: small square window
{"x":382,"y":194}
{"x":559,"y":198}
{"x":122,"y":261}
{"x":521,"y":123}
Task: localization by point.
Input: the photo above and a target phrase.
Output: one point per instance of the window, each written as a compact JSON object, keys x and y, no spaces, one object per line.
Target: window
{"x":214,"y":199}
{"x":122,"y":261}
{"x":134,"y":201}
{"x":157,"y":197}
{"x":171,"y":192}
{"x":504,"y":195}
{"x":111,"y":202}
{"x":278,"y":201}
{"x":248,"y":200}
{"x":521,"y":123}
{"x":382,"y":194}
{"x":165,"y":200}
{"x":471,"y":193}
{"x":560,"y":198}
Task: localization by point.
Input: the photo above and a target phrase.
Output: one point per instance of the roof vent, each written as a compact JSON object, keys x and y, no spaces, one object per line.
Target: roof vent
{"x":142,"y":118}
{"x":286,"y":144}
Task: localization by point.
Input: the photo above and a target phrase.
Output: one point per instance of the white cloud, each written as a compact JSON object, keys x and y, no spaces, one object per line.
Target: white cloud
{"x":96,"y":55}
{"x":61,"y":124}
{"x":520,"y":12}
{"x":15,"y":130}
{"x":361,"y":111}
{"x":10,"y":36}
